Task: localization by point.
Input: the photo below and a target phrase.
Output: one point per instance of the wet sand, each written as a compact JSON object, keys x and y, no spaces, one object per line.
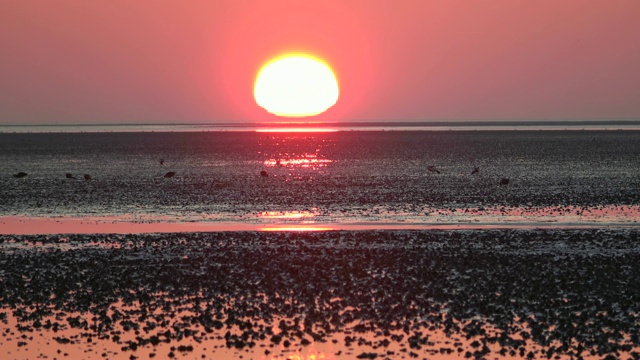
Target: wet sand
{"x":333,"y":294}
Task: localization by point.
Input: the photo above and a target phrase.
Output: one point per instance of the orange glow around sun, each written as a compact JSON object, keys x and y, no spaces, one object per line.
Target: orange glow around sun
{"x":296,"y":85}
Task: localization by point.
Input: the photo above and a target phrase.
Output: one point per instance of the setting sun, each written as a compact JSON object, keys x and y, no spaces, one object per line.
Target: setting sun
{"x":296,"y":86}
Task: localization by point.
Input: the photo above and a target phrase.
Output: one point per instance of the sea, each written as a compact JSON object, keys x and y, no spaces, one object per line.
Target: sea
{"x":292,"y":126}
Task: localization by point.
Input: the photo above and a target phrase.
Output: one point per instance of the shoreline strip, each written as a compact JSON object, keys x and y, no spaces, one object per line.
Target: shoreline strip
{"x":21,"y":225}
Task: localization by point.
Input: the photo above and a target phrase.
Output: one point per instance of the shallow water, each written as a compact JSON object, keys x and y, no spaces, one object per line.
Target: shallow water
{"x":556,"y":217}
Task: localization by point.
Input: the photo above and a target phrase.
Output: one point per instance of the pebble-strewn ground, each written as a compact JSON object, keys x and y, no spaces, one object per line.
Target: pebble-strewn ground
{"x":343,"y":175}
{"x":518,"y":293}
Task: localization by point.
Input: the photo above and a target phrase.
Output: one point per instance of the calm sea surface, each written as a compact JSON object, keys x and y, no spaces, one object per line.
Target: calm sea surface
{"x":337,"y":126}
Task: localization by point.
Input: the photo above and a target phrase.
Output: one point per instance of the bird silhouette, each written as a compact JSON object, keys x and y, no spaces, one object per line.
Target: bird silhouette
{"x":475,"y":170}
{"x":504,"y":181}
{"x":432,"y":168}
{"x":69,"y":176}
{"x":161,"y":161}
{"x":21,"y":174}
{"x":263,"y":173}
{"x":87,"y":177}
{"x":170,"y":174}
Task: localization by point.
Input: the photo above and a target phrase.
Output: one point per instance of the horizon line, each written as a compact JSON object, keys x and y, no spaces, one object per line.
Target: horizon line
{"x":363,"y":123}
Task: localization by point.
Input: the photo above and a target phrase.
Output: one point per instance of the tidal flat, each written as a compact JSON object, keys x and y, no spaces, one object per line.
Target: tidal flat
{"x":322,"y":177}
{"x":555,"y":293}
{"x":130,"y":263}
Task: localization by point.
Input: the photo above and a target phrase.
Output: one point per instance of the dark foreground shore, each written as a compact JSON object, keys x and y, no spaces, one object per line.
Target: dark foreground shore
{"x":365,"y":294}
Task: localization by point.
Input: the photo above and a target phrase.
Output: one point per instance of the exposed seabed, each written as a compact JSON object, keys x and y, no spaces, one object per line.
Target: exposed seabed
{"x":505,"y":293}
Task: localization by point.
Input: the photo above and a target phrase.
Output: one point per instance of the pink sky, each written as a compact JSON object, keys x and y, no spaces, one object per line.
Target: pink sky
{"x":195,"y":61}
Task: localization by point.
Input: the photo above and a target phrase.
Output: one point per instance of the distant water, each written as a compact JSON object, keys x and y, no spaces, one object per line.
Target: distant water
{"x":332,"y":126}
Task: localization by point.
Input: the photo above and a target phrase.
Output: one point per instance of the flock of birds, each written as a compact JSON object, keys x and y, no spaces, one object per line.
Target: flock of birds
{"x":88,"y":177}
{"x":263,"y":173}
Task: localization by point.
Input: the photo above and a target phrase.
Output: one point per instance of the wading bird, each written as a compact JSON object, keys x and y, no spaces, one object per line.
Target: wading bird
{"x":432,"y":168}
{"x":170,"y":174}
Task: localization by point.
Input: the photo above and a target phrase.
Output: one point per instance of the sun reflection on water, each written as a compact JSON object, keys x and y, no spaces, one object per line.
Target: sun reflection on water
{"x":296,"y":130}
{"x":296,"y":228}
{"x":319,"y":356}
{"x":286,"y":215}
{"x":304,"y":162}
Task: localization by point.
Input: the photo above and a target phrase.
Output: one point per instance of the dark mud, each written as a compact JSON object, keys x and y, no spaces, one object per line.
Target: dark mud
{"x":517,"y":293}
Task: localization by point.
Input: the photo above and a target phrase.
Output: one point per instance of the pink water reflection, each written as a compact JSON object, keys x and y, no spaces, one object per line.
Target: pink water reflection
{"x":310,"y":220}
{"x":296,"y":130}
{"x":286,"y":215}
{"x":296,"y":228}
{"x":42,"y":343}
{"x":306,"y":161}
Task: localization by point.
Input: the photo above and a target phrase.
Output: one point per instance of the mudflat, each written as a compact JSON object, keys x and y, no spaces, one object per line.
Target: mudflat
{"x":326,"y":177}
{"x":334,"y":294}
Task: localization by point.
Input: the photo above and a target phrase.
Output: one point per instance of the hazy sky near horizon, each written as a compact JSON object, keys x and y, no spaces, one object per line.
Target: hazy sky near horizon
{"x":150,"y":61}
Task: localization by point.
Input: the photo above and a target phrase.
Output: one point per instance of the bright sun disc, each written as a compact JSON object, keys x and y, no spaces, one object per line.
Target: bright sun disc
{"x":296,"y":86}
